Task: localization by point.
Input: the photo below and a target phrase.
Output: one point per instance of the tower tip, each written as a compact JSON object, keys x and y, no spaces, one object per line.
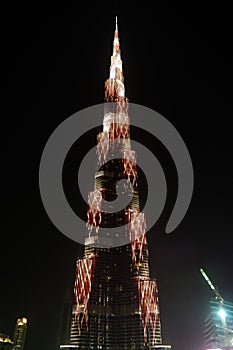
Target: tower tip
{"x":116,"y":25}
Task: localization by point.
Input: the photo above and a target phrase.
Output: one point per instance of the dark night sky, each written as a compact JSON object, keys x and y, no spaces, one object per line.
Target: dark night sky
{"x":176,"y":61}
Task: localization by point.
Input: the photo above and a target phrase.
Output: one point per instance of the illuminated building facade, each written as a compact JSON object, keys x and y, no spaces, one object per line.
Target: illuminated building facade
{"x":116,"y":302}
{"x":20,"y":333}
{"x":218,"y":326}
{"x":5,"y":342}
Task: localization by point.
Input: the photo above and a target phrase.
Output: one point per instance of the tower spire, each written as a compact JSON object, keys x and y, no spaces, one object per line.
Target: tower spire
{"x":116,"y":43}
{"x":116,"y":30}
{"x":114,"y":86}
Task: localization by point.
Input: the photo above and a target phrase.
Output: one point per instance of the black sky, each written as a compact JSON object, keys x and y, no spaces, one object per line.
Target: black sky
{"x":176,"y":61}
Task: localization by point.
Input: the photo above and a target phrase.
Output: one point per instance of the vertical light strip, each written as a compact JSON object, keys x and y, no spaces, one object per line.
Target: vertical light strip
{"x":82,"y":289}
{"x":137,"y":230}
{"x":94,"y":210}
{"x":149,"y":309}
{"x":130,"y":168}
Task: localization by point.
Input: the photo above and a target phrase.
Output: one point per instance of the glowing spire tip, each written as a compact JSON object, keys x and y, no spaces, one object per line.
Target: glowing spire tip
{"x":116,"y":25}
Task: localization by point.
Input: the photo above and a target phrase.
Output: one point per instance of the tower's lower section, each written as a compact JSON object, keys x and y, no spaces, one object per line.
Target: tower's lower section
{"x":116,"y":302}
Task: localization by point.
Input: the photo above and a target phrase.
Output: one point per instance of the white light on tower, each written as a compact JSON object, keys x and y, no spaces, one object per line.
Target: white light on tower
{"x":222,"y":314}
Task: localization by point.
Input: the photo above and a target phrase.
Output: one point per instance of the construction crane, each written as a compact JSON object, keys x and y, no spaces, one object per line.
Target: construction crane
{"x":215,"y":289}
{"x":220,"y":300}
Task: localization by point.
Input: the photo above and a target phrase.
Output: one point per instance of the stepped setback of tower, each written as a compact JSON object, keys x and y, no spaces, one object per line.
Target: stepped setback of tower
{"x":116,"y":302}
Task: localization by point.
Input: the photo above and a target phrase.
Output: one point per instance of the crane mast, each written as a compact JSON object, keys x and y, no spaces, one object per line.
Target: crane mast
{"x":214,"y":289}
{"x":220,"y":300}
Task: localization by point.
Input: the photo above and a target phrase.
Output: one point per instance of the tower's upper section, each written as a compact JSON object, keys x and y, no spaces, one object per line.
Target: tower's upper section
{"x":116,"y":62}
{"x":114,"y":86}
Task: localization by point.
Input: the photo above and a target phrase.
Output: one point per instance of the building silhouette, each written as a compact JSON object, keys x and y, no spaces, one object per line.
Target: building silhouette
{"x":20,"y":333}
{"x":63,"y":335}
{"x":116,"y":304}
{"x":5,"y":342}
{"x":218,"y":326}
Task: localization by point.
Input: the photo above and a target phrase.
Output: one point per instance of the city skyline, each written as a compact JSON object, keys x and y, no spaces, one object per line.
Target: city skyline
{"x":43,"y":256}
{"x":16,"y":340}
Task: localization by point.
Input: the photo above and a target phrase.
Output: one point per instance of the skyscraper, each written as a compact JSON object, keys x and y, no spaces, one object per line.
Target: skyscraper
{"x":5,"y":342}
{"x":20,"y":333}
{"x":218,"y":326}
{"x":116,"y":303}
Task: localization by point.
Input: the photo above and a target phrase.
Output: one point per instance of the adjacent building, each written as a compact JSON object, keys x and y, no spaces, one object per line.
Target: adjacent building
{"x":5,"y":342}
{"x":218,"y":326}
{"x":20,"y":333}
